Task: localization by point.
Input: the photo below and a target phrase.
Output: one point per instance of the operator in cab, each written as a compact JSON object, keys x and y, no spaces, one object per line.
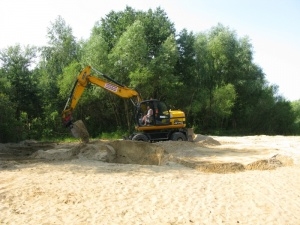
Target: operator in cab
{"x":147,"y":118}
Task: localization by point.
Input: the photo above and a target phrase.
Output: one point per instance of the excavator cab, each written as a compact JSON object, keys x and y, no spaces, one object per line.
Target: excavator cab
{"x":160,"y":113}
{"x":165,"y":124}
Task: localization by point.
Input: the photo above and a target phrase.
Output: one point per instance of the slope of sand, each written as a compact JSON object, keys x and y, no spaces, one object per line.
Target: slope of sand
{"x":83,"y":189}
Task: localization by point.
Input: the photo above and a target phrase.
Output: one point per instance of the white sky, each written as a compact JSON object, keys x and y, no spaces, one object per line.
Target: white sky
{"x":273,"y":26}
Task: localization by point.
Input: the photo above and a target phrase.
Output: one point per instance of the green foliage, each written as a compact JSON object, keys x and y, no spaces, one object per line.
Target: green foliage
{"x":95,"y":53}
{"x":5,"y":85}
{"x":114,"y":25}
{"x":223,"y":100}
{"x":296,"y":110}
{"x":140,"y":79}
{"x":163,"y":67}
{"x":66,"y":80}
{"x":129,"y":53}
{"x":21,"y":86}
{"x":10,"y":128}
{"x":62,"y":50}
{"x":118,"y":134}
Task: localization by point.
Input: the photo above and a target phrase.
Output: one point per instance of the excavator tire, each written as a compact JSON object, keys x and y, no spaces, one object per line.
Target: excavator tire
{"x":178,"y":136}
{"x":79,"y":131}
{"x":140,"y":137}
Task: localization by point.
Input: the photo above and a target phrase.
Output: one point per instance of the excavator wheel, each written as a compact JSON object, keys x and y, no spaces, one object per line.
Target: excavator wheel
{"x":178,"y":136}
{"x":140,"y":137}
{"x":79,"y":130}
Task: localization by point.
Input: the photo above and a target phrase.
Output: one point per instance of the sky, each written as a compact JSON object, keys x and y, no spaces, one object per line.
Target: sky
{"x":273,"y":26}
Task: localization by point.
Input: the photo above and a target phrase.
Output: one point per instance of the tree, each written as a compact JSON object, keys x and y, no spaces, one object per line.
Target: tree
{"x":223,"y":101}
{"x":19,"y":91}
{"x":16,"y":69}
{"x":162,"y":67}
{"x":296,"y":109}
{"x":158,"y":28}
{"x":10,"y":128}
{"x":114,"y":25}
{"x":95,"y":53}
{"x":62,"y":49}
{"x":129,"y":53}
{"x":185,"y":71}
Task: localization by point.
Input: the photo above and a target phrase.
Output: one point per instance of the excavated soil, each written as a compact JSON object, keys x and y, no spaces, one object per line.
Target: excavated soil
{"x":205,"y":154}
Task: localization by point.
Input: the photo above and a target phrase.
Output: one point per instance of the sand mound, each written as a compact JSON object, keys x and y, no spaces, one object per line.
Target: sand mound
{"x":284,"y":160}
{"x":81,"y":151}
{"x":211,"y":167}
{"x":93,"y":152}
{"x":270,"y":164}
{"x":233,"y":167}
{"x":125,"y":152}
{"x":143,"y":153}
{"x":205,"y":140}
{"x":220,"y":167}
{"x":176,"y":146}
{"x":56,"y":154}
{"x":263,"y":164}
{"x":189,"y":154}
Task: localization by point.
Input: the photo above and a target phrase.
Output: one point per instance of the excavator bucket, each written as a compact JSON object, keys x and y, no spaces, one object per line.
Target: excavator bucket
{"x":79,"y":130}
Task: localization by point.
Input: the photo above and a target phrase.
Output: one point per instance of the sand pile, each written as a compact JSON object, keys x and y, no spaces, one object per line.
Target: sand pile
{"x":57,"y":154}
{"x":233,"y":167}
{"x":205,"y":140}
{"x":143,"y":153}
{"x":270,"y":164}
{"x":125,"y":152}
{"x":211,"y":167}
{"x":189,"y":154}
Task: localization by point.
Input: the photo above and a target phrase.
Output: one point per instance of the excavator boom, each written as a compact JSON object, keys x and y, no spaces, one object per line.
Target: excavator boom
{"x":83,"y":79}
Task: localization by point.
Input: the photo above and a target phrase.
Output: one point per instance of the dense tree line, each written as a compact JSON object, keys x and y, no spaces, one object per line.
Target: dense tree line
{"x":209,"y":75}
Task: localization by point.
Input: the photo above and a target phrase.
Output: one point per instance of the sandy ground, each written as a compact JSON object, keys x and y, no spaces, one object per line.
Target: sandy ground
{"x":214,"y":180}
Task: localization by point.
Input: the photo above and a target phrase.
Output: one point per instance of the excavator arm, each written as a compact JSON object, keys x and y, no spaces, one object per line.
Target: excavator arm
{"x":83,"y":79}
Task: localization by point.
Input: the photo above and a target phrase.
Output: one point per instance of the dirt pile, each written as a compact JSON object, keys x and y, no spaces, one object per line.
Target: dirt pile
{"x":190,"y":154}
{"x":206,"y":140}
{"x":211,"y":167}
{"x":270,"y":164}
{"x":125,"y":152}
{"x":233,"y":167}
{"x":205,"y":154}
{"x":56,"y":154}
{"x":143,"y":153}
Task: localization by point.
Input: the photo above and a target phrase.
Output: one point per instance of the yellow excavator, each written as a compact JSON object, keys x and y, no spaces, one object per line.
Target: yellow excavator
{"x":153,"y":120}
